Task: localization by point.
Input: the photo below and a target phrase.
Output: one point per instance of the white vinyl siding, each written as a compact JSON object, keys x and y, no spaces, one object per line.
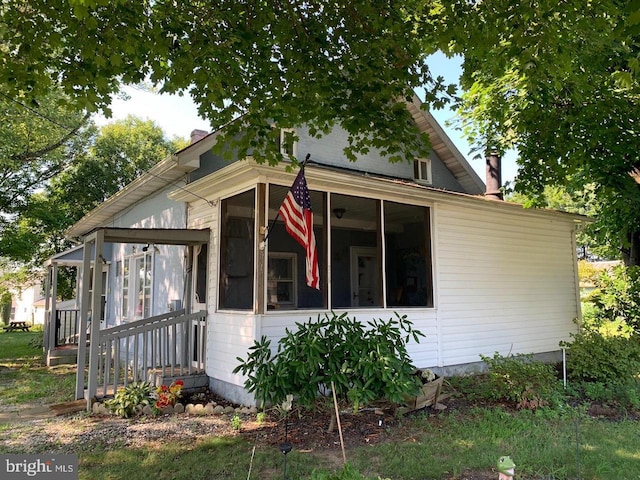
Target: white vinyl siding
{"x":506,"y":283}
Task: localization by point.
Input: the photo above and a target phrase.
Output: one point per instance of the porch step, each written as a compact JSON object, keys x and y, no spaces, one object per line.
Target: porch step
{"x":192,"y":382}
{"x":63,"y":356}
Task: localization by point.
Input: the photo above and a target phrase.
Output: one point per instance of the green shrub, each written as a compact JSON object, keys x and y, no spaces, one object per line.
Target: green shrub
{"x":617,"y":297}
{"x":126,"y":400}
{"x":611,"y":360}
{"x":364,"y":362}
{"x":625,"y":395}
{"x":520,"y":379}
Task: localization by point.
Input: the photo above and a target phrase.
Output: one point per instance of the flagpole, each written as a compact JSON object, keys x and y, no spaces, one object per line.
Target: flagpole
{"x":268,"y":229}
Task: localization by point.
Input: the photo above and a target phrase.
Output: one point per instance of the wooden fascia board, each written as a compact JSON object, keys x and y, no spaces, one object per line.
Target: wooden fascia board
{"x":445,"y":148}
{"x":160,"y":236}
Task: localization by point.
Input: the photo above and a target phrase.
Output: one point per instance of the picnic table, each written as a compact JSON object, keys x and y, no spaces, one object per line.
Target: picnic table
{"x":24,"y":326}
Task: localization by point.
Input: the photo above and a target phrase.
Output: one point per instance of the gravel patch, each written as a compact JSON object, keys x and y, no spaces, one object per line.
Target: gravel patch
{"x":81,"y":432}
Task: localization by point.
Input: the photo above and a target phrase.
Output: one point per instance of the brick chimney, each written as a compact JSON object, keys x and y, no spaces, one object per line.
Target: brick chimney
{"x":494,"y":176}
{"x":197,"y":135}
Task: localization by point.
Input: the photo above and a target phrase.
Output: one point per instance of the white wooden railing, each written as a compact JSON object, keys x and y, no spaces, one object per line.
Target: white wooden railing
{"x":171,"y":345}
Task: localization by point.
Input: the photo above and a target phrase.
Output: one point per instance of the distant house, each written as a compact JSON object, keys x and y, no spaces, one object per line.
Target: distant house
{"x":27,"y":304}
{"x":475,"y":275}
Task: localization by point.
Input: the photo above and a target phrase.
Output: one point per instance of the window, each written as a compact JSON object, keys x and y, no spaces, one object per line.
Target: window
{"x":422,"y":170}
{"x":282,"y":284}
{"x":125,"y":289}
{"x":137,"y":282}
{"x":408,"y":255}
{"x":356,"y":265}
{"x":201,"y":273}
{"x":287,"y":144}
{"x":237,"y":247}
{"x":144,"y":275}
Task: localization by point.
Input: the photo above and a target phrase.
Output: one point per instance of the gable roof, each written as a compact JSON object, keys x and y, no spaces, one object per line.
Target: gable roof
{"x":445,"y":149}
{"x":173,"y":168}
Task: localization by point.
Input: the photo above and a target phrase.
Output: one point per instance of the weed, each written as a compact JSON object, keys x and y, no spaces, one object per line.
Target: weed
{"x":527,"y":383}
{"x":236,"y":423}
{"x":347,"y":473}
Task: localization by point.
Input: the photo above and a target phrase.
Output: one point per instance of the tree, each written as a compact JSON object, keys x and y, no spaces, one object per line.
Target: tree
{"x":118,"y":153}
{"x":558,"y":81}
{"x":552,"y":92}
{"x":37,"y":142}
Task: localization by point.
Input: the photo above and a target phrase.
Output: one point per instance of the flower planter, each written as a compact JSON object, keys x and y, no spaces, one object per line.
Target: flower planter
{"x":427,"y":396}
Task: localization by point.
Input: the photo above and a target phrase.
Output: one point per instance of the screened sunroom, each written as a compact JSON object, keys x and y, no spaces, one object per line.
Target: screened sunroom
{"x":372,"y":253}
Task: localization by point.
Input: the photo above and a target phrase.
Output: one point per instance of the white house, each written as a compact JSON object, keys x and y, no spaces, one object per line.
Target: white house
{"x":27,"y":305}
{"x":476,"y":276}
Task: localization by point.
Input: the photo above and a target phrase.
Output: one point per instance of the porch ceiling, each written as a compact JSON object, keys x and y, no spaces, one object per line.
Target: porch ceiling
{"x":160,"y":236}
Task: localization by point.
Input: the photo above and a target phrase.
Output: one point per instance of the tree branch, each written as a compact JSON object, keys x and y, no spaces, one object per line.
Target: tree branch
{"x":28,"y":156}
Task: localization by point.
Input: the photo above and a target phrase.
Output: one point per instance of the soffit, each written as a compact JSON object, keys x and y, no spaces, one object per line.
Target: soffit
{"x":165,"y":173}
{"x":240,"y":176}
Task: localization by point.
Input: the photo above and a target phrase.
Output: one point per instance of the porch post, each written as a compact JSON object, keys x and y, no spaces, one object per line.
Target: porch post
{"x":188,"y":286}
{"x":82,"y":328}
{"x":46,"y":339}
{"x":187,"y":304}
{"x":96,"y":310}
{"x":53,"y":314}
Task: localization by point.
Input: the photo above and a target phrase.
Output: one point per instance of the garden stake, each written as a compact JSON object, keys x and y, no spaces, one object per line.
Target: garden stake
{"x":335,"y":404}
{"x":286,"y":446}
{"x":253,"y":454}
{"x":577,"y":422}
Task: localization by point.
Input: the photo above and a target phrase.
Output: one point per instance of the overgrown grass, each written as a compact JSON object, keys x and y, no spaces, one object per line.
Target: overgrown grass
{"x":18,"y":345}
{"x":23,"y":376}
{"x":216,"y":457}
{"x":558,"y":445}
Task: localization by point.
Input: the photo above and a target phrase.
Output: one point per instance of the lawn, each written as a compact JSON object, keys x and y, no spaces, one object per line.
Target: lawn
{"x":462,"y":442}
{"x":23,"y":376}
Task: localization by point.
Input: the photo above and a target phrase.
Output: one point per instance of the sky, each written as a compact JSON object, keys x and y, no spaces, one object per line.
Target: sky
{"x":178,"y":116}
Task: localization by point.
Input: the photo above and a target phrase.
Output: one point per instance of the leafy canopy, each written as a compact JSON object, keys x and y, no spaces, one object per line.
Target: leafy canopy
{"x":558,"y":81}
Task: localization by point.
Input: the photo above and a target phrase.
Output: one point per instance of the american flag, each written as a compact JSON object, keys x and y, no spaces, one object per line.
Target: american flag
{"x":298,"y":219}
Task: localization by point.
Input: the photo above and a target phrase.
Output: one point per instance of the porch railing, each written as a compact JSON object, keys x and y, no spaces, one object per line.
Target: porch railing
{"x":67,"y":322}
{"x":172,"y":344}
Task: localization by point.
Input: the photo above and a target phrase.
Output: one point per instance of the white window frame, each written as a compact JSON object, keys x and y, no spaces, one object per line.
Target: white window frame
{"x":282,"y":145}
{"x":293,"y":303}
{"x":130,"y":285}
{"x":423,"y":168}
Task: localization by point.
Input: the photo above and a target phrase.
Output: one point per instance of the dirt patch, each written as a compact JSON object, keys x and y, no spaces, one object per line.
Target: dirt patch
{"x":310,"y":430}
